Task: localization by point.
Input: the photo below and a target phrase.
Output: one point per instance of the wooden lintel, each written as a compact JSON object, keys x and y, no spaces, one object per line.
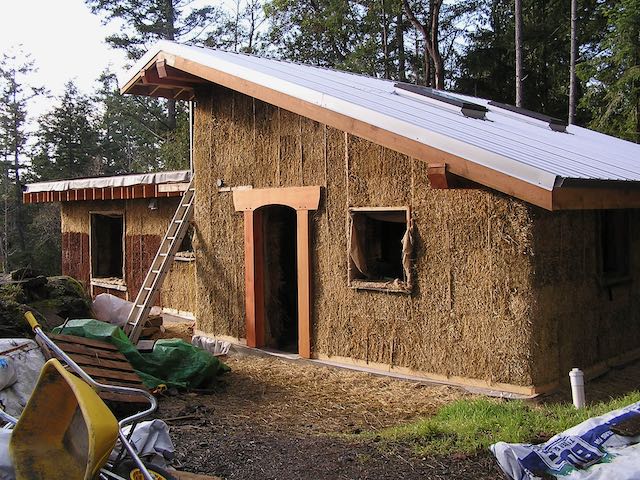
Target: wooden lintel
{"x":298,"y":198}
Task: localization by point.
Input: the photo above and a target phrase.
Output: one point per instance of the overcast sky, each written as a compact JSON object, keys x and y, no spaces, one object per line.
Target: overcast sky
{"x":65,"y":39}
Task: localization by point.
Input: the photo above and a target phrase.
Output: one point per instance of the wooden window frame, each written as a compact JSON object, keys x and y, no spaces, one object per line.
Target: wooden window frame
{"x":406,"y":285}
{"x":101,"y":280}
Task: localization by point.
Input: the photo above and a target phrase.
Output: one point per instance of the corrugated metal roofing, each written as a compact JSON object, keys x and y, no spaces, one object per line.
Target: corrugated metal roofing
{"x":517,"y":145}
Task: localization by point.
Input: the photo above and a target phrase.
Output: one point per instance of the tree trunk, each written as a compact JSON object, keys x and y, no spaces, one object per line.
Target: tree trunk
{"x":402,"y":68}
{"x":385,"y":40}
{"x":170,"y":34}
{"x":429,"y":33}
{"x":518,"y":45}
{"x":572,"y":64}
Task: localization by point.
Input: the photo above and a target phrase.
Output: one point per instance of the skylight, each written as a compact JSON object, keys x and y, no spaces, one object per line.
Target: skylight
{"x":555,"y":124}
{"x":468,"y":109}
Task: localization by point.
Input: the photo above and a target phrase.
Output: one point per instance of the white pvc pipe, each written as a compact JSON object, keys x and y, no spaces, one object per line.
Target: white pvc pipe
{"x":577,"y":387}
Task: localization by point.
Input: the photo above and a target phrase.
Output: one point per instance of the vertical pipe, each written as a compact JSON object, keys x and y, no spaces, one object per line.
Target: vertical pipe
{"x":191,"y":137}
{"x":577,"y":387}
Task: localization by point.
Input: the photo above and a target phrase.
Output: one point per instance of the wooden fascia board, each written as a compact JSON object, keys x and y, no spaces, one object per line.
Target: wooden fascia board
{"x":298,"y":198}
{"x":502,"y":182}
{"x":595,"y":197}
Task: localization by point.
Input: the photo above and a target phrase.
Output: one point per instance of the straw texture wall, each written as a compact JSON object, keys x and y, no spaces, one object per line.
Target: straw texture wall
{"x":144,"y":229}
{"x":581,"y":322}
{"x":471,"y":310}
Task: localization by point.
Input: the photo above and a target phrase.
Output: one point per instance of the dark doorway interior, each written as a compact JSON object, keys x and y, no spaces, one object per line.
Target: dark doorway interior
{"x":280,"y":278}
{"x":106,"y":246}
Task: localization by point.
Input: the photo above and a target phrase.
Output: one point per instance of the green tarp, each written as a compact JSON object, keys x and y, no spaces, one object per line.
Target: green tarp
{"x":174,"y":363}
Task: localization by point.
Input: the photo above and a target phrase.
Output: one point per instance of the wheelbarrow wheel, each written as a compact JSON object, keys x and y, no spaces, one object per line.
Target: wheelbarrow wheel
{"x":130,"y":471}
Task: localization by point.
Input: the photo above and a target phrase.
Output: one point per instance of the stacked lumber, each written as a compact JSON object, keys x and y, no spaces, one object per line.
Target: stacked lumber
{"x":152,"y":326}
{"x":103,"y":362}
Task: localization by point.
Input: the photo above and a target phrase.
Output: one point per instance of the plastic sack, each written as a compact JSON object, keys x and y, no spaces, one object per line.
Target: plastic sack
{"x":7,"y":372}
{"x":588,"y":451}
{"x":6,"y":464}
{"x":173,"y":362}
{"x":211,"y":345}
{"x":151,"y":441}
{"x":27,"y":363}
{"x":111,"y":309}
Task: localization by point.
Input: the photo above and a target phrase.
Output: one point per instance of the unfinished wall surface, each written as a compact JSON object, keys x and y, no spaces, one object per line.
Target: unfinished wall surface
{"x":144,"y":229}
{"x":470,"y":313}
{"x":583,"y":321}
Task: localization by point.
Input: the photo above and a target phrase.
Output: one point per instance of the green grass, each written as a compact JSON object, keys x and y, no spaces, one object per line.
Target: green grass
{"x":468,"y":426}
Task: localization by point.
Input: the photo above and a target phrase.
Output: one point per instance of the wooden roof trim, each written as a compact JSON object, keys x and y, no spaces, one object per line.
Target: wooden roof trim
{"x":560,"y":198}
{"x":101,"y":193}
{"x":515,"y":187}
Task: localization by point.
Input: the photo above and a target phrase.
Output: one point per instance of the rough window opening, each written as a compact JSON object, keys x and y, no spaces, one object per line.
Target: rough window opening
{"x":380,"y":249}
{"x":614,"y":246}
{"x":185,"y":252}
{"x":107,"y":242}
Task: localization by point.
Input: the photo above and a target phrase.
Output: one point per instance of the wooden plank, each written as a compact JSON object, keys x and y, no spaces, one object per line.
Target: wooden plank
{"x":304,"y":284}
{"x":110,"y":374}
{"x":173,"y":187}
{"x":83,"y":341}
{"x":593,"y":198}
{"x":119,"y":397}
{"x":298,"y":198}
{"x":251,"y":303}
{"x":71,"y":348}
{"x":97,"y":361}
{"x":487,"y":176}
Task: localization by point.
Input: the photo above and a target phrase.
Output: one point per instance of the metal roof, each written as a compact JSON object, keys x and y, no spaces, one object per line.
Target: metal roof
{"x":505,"y":141}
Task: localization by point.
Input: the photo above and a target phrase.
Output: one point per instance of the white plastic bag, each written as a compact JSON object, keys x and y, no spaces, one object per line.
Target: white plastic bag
{"x":7,"y":372}
{"x":111,"y":309}
{"x":213,"y":346}
{"x":151,"y":441}
{"x":27,"y":362}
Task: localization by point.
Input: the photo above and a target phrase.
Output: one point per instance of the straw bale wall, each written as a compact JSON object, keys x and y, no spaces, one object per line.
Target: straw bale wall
{"x":471,"y":310}
{"x":144,"y":229}
{"x":582,"y":322}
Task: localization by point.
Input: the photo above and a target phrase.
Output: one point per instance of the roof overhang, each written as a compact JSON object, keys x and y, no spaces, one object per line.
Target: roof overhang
{"x":120,"y":187}
{"x":181,"y":75}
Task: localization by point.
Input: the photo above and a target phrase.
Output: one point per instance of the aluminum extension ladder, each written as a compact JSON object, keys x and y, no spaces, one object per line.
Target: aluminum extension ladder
{"x":161,"y":264}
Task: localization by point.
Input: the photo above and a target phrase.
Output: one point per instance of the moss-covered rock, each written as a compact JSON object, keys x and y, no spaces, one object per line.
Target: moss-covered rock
{"x":52,"y":299}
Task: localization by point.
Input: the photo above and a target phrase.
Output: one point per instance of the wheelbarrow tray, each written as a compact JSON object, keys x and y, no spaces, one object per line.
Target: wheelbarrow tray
{"x":71,"y":441}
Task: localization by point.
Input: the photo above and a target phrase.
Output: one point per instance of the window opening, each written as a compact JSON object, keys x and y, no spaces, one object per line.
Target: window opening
{"x":380,"y":249}
{"x":614,"y":245}
{"x":107,"y":254}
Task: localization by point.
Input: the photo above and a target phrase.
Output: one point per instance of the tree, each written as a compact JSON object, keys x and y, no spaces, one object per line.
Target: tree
{"x":518,"y":48}
{"x":147,"y":21}
{"x":67,"y":139}
{"x":15,"y":95}
{"x":429,"y":29}
{"x":572,"y":65}
{"x":612,"y":73}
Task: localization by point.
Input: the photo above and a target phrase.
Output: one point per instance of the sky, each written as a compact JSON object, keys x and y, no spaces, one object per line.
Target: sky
{"x":64,"y":38}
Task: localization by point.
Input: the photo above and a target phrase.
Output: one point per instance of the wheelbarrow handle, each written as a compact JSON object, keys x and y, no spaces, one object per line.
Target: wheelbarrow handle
{"x":33,"y":323}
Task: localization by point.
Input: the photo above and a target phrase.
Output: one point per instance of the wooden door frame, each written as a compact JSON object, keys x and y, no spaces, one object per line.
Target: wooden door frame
{"x":301,"y":199}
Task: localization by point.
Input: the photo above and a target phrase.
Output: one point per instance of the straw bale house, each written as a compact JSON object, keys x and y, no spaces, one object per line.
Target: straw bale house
{"x":360,"y":221}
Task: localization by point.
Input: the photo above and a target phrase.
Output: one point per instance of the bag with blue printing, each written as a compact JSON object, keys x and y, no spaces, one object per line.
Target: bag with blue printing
{"x":589,"y":451}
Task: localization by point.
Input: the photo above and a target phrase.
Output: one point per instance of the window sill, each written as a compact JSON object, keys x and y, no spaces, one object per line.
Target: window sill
{"x":393,"y":286}
{"x":185,"y":257}
{"x":110,"y":283}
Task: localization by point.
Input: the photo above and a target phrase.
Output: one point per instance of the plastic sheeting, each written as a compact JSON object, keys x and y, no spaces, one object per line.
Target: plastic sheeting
{"x":116,"y":181}
{"x":151,"y":442}
{"x":588,"y":451}
{"x":27,"y":363}
{"x":111,"y":309}
{"x":173,"y":362}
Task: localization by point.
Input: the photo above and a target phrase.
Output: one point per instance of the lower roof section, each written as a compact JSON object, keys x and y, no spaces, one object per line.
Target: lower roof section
{"x":119,"y":187}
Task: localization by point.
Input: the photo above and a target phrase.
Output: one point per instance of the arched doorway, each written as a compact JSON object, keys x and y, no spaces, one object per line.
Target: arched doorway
{"x":280,"y":278}
{"x":280,"y":206}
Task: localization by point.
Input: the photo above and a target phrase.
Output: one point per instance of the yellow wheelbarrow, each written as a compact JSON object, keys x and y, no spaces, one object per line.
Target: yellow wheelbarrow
{"x":66,"y":432}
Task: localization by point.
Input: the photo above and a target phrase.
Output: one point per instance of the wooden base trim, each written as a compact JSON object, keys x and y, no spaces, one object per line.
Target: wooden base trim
{"x":466,"y":382}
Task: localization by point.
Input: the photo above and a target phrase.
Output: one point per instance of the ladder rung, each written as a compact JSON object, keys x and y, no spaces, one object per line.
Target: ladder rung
{"x":155,"y":271}
{"x":164,"y":254}
{"x":178,"y":221}
{"x":140,"y":306}
{"x":170,"y":238}
{"x":148,"y":288}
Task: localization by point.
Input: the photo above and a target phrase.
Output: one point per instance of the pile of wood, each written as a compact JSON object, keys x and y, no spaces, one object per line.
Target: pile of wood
{"x":152,"y":326}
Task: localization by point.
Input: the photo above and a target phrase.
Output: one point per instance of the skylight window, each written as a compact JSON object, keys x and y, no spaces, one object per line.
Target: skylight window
{"x":555,"y":124}
{"x":468,"y":109}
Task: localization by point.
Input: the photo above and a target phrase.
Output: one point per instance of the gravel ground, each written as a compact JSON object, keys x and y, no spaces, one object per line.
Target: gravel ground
{"x":275,"y":419}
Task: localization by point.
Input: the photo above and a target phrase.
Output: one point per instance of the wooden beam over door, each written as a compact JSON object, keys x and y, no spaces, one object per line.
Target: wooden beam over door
{"x":301,"y":199}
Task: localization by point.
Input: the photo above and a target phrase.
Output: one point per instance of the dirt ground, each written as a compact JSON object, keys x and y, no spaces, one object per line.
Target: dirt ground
{"x":275,"y":419}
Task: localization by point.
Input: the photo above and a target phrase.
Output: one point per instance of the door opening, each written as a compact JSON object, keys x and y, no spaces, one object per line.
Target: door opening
{"x":280,"y":278}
